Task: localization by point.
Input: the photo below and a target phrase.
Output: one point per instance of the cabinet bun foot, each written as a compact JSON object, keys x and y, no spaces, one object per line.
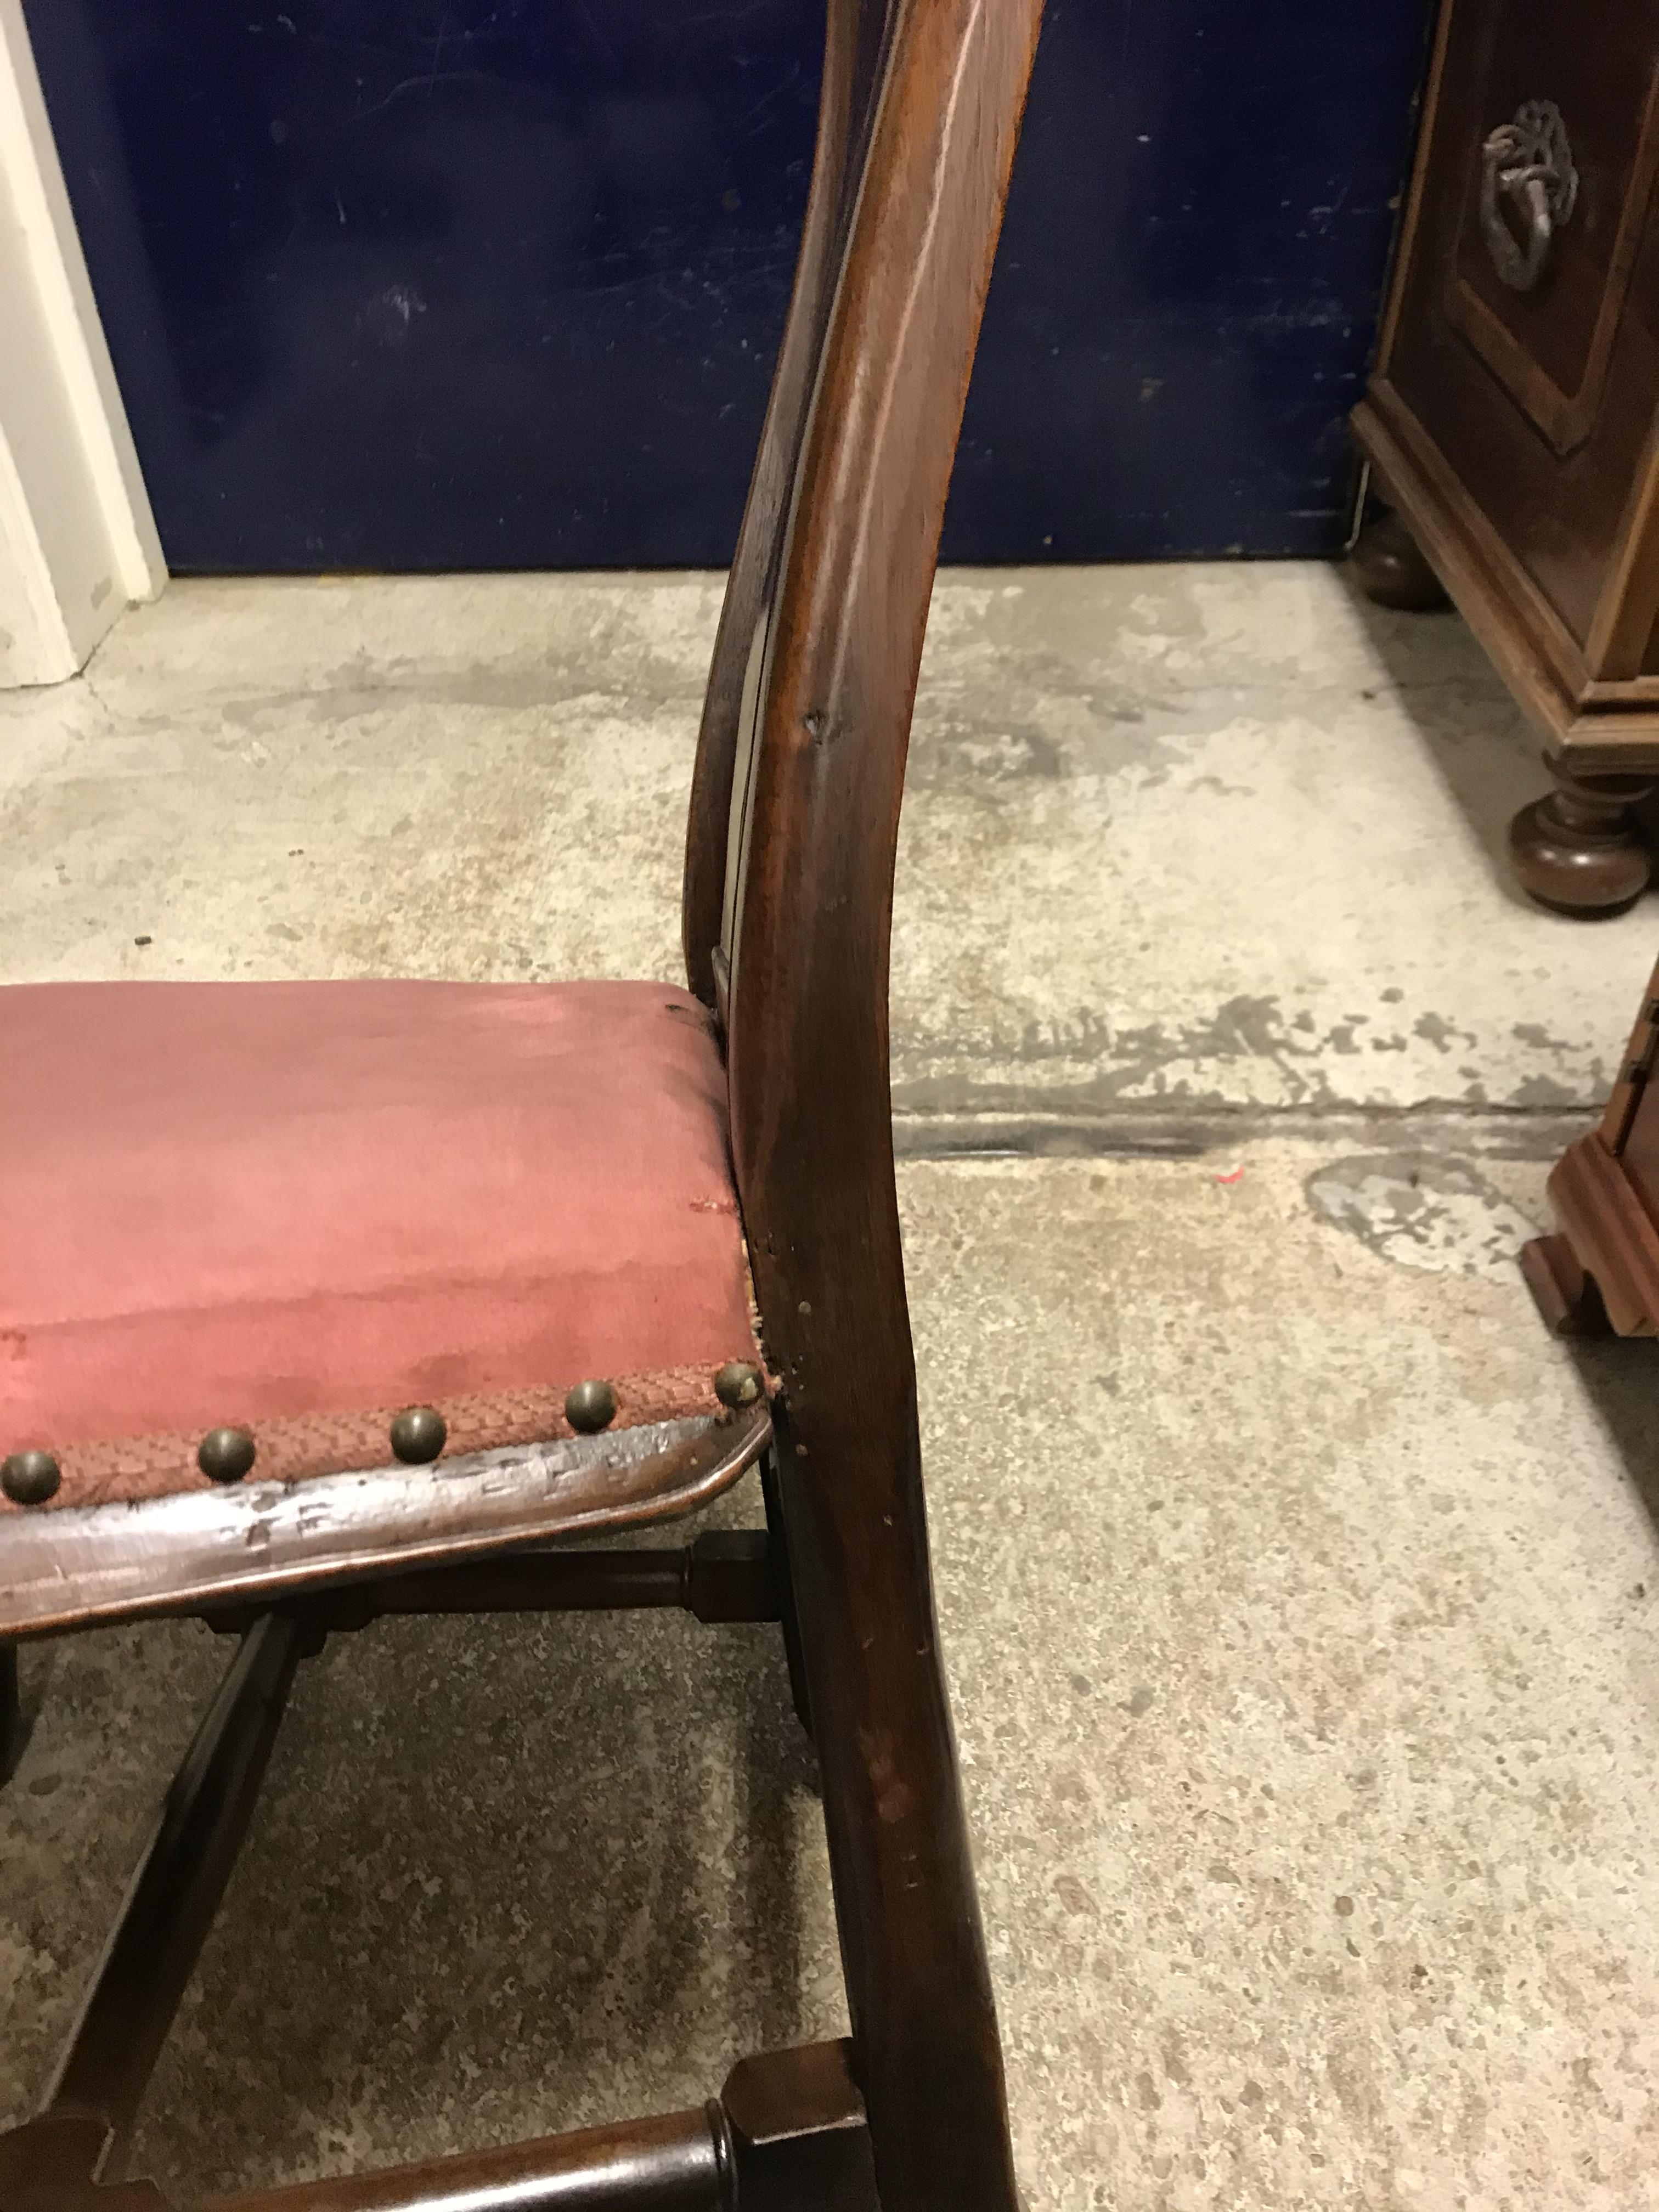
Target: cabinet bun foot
{"x":1391,"y":570}
{"x":1578,"y":850}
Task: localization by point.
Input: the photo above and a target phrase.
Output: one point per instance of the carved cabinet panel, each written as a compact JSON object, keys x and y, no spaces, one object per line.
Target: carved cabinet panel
{"x":1511,"y":414}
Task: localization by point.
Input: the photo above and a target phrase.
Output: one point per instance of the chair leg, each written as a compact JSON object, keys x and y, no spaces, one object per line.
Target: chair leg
{"x":12,"y":1731}
{"x":172,"y":1899}
{"x":927,"y":2052}
{"x":791,"y":1619}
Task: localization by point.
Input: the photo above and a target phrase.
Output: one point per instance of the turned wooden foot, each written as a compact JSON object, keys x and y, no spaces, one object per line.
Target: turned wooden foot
{"x":1392,"y":570}
{"x":1579,"y":850}
{"x":1567,"y":1298}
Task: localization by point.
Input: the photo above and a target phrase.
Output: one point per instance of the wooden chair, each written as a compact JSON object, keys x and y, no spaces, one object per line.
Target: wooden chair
{"x":323,"y":1302}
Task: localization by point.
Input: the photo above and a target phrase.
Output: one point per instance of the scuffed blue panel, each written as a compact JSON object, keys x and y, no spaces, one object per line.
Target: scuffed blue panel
{"x":476,"y":283}
{"x":1190,"y":276}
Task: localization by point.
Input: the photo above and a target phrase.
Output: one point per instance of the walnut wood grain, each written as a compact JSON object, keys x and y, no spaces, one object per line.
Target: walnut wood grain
{"x":171,"y":1901}
{"x":1565,"y":404}
{"x":1600,"y":1274}
{"x":1580,"y":849}
{"x":1634,"y":1071}
{"x":1527,"y":640}
{"x":1621,"y":644}
{"x":1540,"y":400}
{"x":788,"y":2133}
{"x":1517,"y":432}
{"x":259,"y":1542}
{"x":1608,"y":729}
{"x":1612,"y":1236}
{"x":14,"y":1732}
{"x":852,"y":44}
{"x":807,"y":919}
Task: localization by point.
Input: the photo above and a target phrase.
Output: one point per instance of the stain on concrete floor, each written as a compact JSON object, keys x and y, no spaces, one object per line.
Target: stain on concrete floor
{"x":1423,"y":1211}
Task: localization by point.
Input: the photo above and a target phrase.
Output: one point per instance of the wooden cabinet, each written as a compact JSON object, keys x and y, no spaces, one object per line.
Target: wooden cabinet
{"x":1513,"y":415}
{"x":1600,"y":1274}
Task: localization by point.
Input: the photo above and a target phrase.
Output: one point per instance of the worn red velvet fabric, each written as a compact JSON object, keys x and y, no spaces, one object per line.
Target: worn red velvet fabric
{"x":248,"y":1202}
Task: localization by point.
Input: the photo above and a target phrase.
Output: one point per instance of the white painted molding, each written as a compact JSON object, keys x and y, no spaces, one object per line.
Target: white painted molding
{"x":77,"y":539}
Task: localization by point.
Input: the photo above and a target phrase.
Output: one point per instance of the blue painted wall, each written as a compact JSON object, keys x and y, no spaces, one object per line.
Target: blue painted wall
{"x":478,"y":283}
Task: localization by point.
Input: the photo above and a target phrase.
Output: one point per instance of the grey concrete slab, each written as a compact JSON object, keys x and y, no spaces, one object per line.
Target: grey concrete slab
{"x":1207,"y":835}
{"x":1304,"y":1597}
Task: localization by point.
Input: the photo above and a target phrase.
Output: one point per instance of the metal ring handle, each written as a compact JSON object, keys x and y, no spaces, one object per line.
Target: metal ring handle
{"x":1528,"y":187}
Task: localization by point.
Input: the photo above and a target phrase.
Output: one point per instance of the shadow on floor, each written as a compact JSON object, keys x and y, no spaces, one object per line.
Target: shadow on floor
{"x":1487,"y":753}
{"x":507,"y":1877}
{"x":1620,"y":1376}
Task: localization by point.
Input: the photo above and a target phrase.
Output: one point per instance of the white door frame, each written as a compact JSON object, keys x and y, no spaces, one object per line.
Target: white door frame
{"x":77,"y":538}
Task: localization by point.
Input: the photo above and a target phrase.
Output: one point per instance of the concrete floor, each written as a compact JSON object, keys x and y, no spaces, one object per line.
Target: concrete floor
{"x":1299,"y":1593}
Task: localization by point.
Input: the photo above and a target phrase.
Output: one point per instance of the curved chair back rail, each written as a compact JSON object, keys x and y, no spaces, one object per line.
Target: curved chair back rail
{"x":795,"y":816}
{"x":801,"y":757}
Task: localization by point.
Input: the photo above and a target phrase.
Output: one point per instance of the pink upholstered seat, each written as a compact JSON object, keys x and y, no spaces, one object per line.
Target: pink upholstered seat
{"x":298,"y":1207}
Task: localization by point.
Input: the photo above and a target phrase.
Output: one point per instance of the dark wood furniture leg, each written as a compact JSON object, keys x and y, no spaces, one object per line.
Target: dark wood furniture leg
{"x":788,"y":2132}
{"x":1579,"y":849}
{"x":12,"y":1731}
{"x":772,"y":1492}
{"x":171,"y":1905}
{"x":913,"y":1951}
{"x":1568,"y":1299}
{"x":725,"y":1575}
{"x":1391,"y":567}
{"x":1598,"y":1275}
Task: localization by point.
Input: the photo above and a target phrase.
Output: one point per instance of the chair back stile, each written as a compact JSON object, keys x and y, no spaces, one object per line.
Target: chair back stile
{"x":827,"y":615}
{"x":801,"y":757}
